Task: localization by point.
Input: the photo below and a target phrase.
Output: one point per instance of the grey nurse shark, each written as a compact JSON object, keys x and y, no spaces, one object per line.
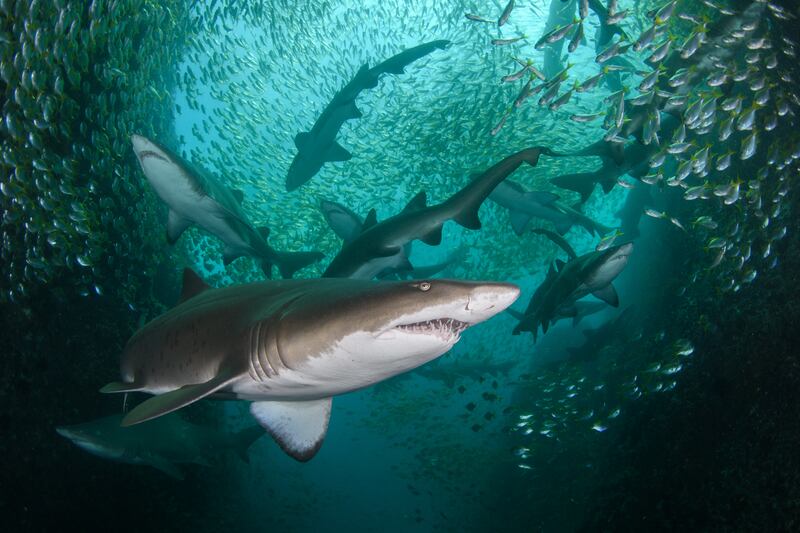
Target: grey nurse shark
{"x":289,"y":346}
{"x":194,"y":197}
{"x":161,"y":443}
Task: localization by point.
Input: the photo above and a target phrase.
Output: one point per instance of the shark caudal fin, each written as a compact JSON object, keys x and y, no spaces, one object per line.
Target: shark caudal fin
{"x":298,"y":427}
{"x":290,"y":262}
{"x":243,"y":439}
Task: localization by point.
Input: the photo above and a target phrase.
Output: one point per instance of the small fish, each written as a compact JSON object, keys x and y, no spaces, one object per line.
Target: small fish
{"x":616,"y":18}
{"x":608,"y":241}
{"x":655,"y":214}
{"x":749,"y":144}
{"x":500,"y":124}
{"x":577,"y":37}
{"x":471,"y":406}
{"x":705,"y":221}
{"x":462,"y":389}
{"x":590,"y":83}
{"x":612,"y":51}
{"x":692,"y":43}
{"x":553,"y":36}
{"x":476,"y":18}
{"x":660,"y":52}
{"x":515,"y":76}
{"x":586,"y":118}
{"x":562,"y":100}
{"x":583,"y":9}
{"x":489,"y":396}
{"x":506,"y":13}
{"x":504,"y":42}
{"x":664,"y":13}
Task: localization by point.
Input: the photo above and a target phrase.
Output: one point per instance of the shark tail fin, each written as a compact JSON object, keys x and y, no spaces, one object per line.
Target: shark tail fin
{"x":243,"y":439}
{"x":582,"y":183}
{"x":291,"y":262}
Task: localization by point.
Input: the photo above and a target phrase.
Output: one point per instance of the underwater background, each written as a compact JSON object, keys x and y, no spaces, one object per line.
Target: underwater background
{"x":676,"y":409}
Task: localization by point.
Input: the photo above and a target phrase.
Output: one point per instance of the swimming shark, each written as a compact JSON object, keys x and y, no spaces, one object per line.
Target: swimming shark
{"x":524,"y":205}
{"x":193,"y":197}
{"x":591,"y":273}
{"x":360,"y":258}
{"x":289,"y":346}
{"x":616,"y":329}
{"x":348,"y":225}
{"x":577,"y":311}
{"x":318,"y":146}
{"x":160,"y":443}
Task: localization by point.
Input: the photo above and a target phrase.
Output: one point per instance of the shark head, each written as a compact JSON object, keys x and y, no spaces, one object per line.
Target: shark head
{"x":365,"y":331}
{"x":609,"y":265}
{"x":168,"y":174}
{"x":90,"y":438}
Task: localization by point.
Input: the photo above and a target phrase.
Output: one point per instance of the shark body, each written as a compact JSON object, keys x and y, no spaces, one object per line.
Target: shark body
{"x":193,"y":197}
{"x":524,"y":205}
{"x":591,"y":273}
{"x":161,"y":443}
{"x":289,"y":346}
{"x":360,"y":258}
{"x":318,"y":146}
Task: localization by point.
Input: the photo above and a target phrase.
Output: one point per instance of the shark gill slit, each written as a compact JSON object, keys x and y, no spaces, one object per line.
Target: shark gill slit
{"x":256,"y":368}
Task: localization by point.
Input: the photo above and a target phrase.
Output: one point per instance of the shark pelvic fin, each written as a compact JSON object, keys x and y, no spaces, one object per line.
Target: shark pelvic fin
{"x":298,"y":427}
{"x":370,"y":220}
{"x":608,"y":294}
{"x":174,"y":400}
{"x":192,"y":285}
{"x":420,"y":201}
{"x":469,"y":217}
{"x":336,"y":152}
{"x":433,"y":237}
{"x":290,"y":262}
{"x":301,"y":139}
{"x":518,"y":221}
{"x":120,"y":386}
{"x":176,"y":225}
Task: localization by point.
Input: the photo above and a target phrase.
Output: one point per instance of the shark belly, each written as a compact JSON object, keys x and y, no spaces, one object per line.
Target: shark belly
{"x":343,"y":368}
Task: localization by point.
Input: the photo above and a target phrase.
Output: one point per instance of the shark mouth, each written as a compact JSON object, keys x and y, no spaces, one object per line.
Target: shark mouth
{"x":447,"y":329}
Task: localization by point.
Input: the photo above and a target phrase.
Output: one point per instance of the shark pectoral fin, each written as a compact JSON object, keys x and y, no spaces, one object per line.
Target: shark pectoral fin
{"x":433,"y":237}
{"x":121,"y":386}
{"x":608,"y":294}
{"x":518,"y":221}
{"x":174,"y":400}
{"x":298,"y":427}
{"x":336,"y":152}
{"x":176,"y":225}
{"x":301,"y":139}
{"x":169,"y":468}
{"x":370,"y":220}
{"x":351,"y":110}
{"x":192,"y":285}
{"x":420,"y":201}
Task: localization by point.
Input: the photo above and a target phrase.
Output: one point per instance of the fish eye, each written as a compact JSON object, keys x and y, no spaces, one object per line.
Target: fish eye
{"x":424,"y":286}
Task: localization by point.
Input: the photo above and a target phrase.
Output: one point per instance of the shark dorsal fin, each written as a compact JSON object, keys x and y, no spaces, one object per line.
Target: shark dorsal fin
{"x":370,"y":220}
{"x":238,"y":195}
{"x":192,"y":285}
{"x":420,"y":201}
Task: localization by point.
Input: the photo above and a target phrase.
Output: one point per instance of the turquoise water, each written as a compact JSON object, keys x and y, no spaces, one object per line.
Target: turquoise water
{"x":572,"y":424}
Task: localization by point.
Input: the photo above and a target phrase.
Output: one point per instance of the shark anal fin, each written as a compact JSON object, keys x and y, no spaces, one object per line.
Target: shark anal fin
{"x":518,"y":221}
{"x":608,"y":294}
{"x":298,"y":427}
{"x":336,"y":152}
{"x":174,"y":400}
{"x":433,"y":237}
{"x":301,"y":139}
{"x":192,"y":285}
{"x":176,"y":225}
{"x":120,"y":386}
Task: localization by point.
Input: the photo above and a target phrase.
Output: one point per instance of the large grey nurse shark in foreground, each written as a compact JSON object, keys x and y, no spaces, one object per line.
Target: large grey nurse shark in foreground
{"x":196,"y":198}
{"x":161,"y":443}
{"x":319,"y":146}
{"x":363,"y":256}
{"x":289,"y":346}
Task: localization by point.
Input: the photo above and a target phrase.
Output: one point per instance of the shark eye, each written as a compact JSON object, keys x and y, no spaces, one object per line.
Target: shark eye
{"x":424,"y":286}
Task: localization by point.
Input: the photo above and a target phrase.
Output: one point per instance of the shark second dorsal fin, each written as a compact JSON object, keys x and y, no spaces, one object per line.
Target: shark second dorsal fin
{"x":420,"y":201}
{"x":298,"y":427}
{"x":192,"y":285}
{"x":174,"y":400}
{"x":370,"y":220}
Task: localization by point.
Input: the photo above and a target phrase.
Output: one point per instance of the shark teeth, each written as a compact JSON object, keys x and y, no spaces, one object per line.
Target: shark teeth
{"x":447,"y":329}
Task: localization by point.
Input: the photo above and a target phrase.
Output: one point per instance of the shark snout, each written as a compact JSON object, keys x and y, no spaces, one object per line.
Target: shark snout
{"x":487,"y":300}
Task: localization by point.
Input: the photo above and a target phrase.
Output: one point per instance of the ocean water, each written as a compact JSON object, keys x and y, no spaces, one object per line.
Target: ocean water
{"x":630,"y":166}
